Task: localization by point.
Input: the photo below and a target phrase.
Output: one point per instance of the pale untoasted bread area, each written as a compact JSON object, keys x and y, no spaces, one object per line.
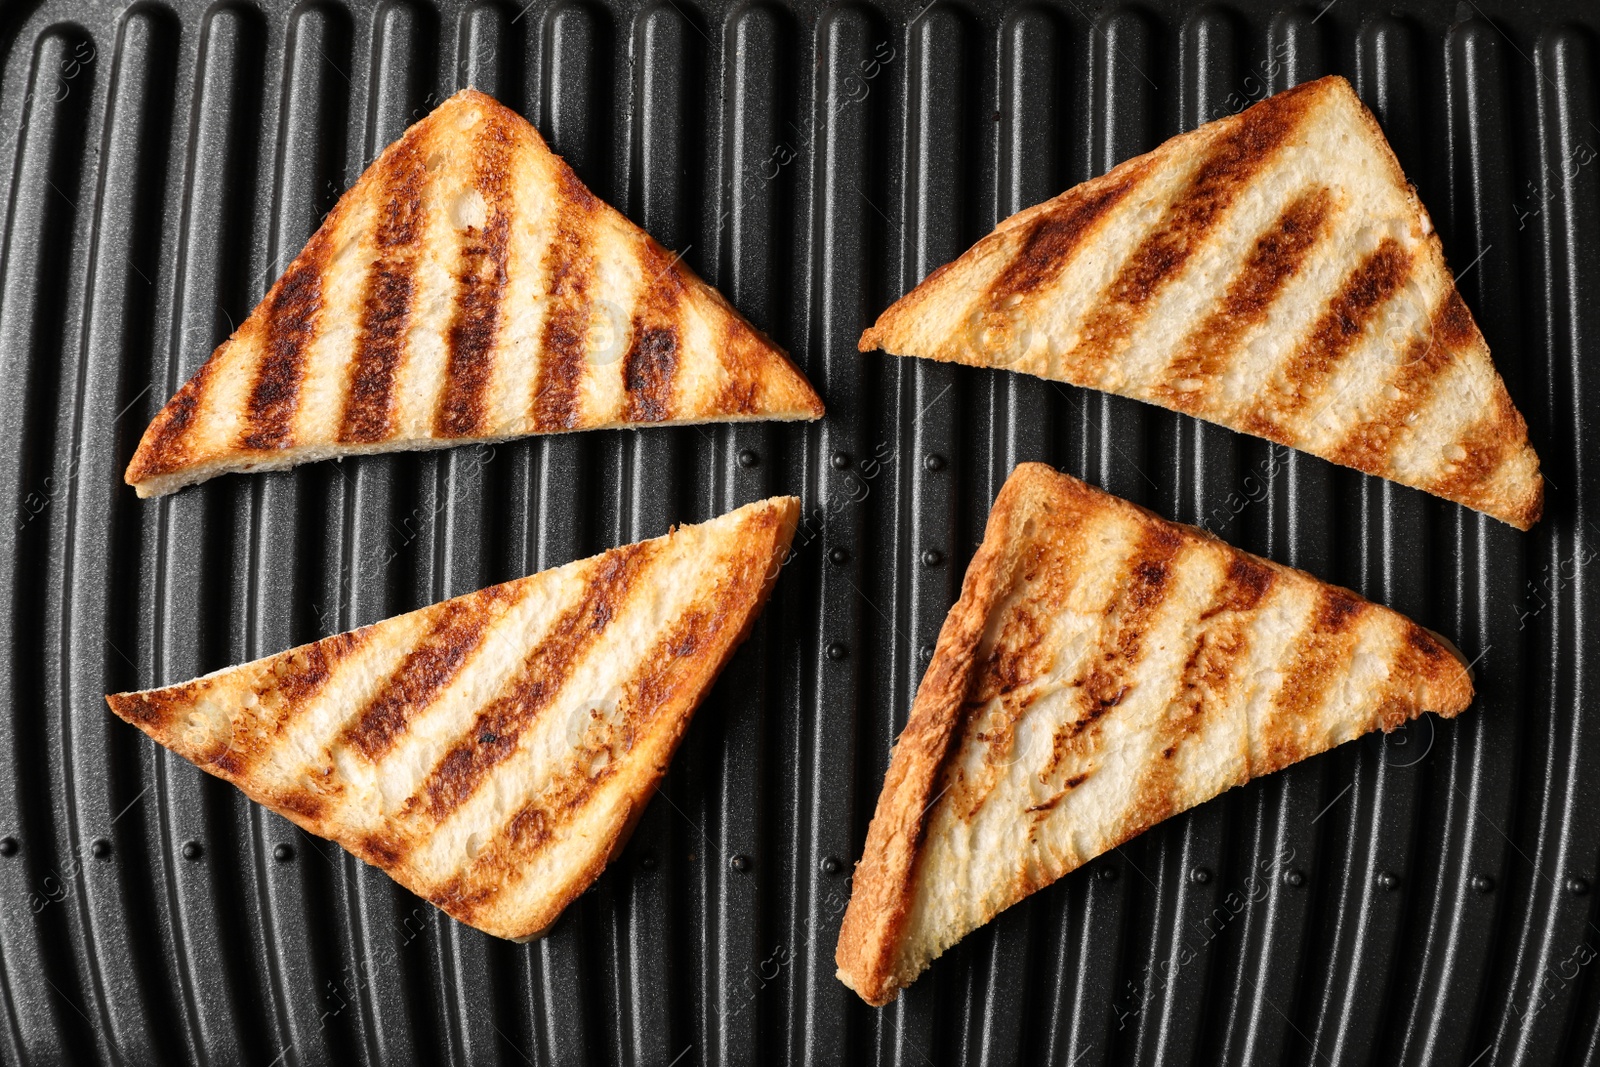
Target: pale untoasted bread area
{"x":1272,"y":272}
{"x":1103,"y":670}
{"x":467,"y":288}
{"x":490,"y":752}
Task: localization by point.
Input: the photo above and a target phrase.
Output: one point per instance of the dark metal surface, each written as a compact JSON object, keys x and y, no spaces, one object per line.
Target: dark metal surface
{"x":1420,"y":900}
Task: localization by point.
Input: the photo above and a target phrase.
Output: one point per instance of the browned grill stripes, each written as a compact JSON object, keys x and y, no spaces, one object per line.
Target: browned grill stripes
{"x":1481,"y":450}
{"x":652,"y":360}
{"x":498,"y":727}
{"x":157,"y":708}
{"x":1422,"y":655}
{"x":287,"y":684}
{"x":569,"y":264}
{"x":1321,"y":653}
{"x":1233,"y":161}
{"x":163,"y":450}
{"x":699,"y":637}
{"x":426,"y":671}
{"x":301,"y":677}
{"x":481,"y":287}
{"x":1277,"y":256}
{"x":1204,"y":686}
{"x":1103,"y":685}
{"x":291,"y":324}
{"x":1019,"y":655}
{"x":1056,"y":234}
{"x":391,"y":287}
{"x":740,"y":351}
{"x":1369,"y":444}
{"x":1336,"y":332}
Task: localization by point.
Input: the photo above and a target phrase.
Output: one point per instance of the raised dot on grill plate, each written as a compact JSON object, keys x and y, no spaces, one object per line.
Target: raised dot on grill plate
{"x":836,"y":651}
{"x":9,"y":846}
{"x":830,"y":865}
{"x":748,"y":458}
{"x":740,"y":863}
{"x":1482,"y":883}
{"x":1577,"y":886}
{"x":926,"y":651}
{"x":934,"y":462}
{"x":1295,"y":878}
{"x":1389,"y":880}
{"x":841,"y":460}
{"x":1106,"y":873}
{"x":101,"y":848}
{"x":932,"y":558}
{"x":283,"y":853}
{"x":839,"y":557}
{"x":1200,"y":875}
{"x":192,"y":850}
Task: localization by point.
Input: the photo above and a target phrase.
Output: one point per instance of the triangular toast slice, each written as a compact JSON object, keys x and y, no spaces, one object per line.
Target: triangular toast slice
{"x":467,"y":288}
{"x":1272,"y":272}
{"x":491,"y":753}
{"x":1103,"y":670}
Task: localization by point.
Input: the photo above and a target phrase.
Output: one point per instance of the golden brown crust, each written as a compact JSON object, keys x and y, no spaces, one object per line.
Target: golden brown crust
{"x":880,"y":892}
{"x":439,"y":745}
{"x":483,"y":291}
{"x":1297,"y":202}
{"x":1039,"y":547}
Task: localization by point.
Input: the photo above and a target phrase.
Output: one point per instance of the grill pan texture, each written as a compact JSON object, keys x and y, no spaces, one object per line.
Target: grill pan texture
{"x":1421,"y":898}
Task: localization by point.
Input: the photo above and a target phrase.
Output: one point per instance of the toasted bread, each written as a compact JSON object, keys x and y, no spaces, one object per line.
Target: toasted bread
{"x":1102,"y":670}
{"x":491,"y":752}
{"x":1272,"y":272}
{"x":467,"y":288}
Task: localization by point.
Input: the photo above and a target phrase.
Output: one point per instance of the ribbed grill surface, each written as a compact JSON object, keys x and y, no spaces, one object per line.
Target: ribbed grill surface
{"x":1424,"y":899}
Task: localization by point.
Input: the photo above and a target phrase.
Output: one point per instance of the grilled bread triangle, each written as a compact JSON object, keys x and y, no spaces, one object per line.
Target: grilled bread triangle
{"x":467,"y":288}
{"x":492,"y":752}
{"x":1271,"y":272}
{"x":1102,"y":670}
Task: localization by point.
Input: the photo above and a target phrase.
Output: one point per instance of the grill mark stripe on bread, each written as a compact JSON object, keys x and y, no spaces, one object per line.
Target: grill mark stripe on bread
{"x":571,"y":269}
{"x":481,"y":287}
{"x":1105,"y":682}
{"x":164,"y":448}
{"x":652,"y":359}
{"x":291,"y":325}
{"x":1339,"y":330}
{"x":671,"y":612}
{"x":1181,"y":291}
{"x":386,"y":307}
{"x":1278,"y":254}
{"x":1221,"y":643}
{"x":504,"y":312}
{"x":451,"y":642}
{"x":155,"y":708}
{"x":307,"y":675}
{"x":1188,"y":704}
{"x":1057,"y":235}
{"x":1408,"y":388}
{"x":1324,"y":650}
{"x":695,"y":639}
{"x":1231,"y":164}
{"x":1483,"y":449}
{"x":544,"y":674}
{"x":1020,"y":655}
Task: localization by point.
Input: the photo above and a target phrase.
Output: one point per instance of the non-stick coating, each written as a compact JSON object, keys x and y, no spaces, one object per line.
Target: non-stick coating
{"x":1424,"y":899}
